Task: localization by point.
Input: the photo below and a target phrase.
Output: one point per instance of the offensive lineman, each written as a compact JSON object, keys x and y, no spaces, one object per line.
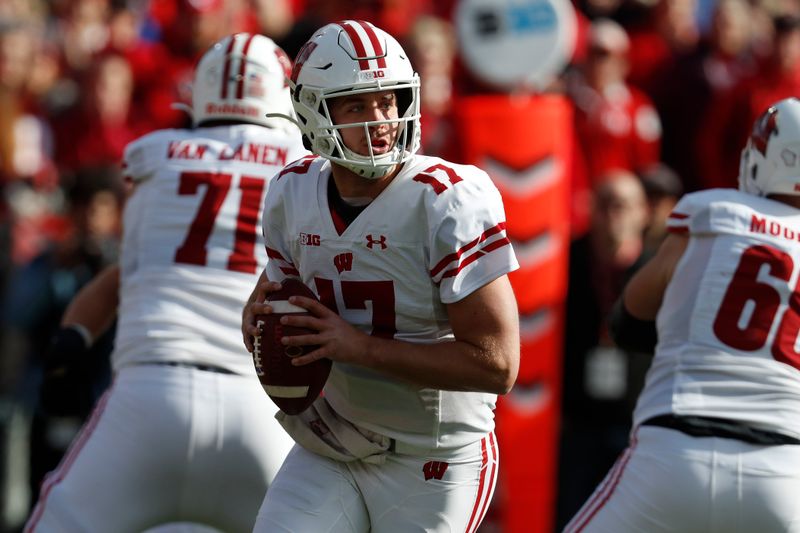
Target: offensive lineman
{"x":185,"y":432}
{"x":716,"y":439}
{"x":411,"y":253}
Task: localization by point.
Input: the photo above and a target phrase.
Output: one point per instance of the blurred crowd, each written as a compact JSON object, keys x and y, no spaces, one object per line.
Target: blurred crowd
{"x":663,"y":93}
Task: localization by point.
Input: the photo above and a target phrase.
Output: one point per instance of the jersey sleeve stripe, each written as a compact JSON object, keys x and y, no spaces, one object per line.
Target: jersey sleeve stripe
{"x":289,"y":271}
{"x":285,"y":266}
{"x":678,"y":216}
{"x":475,"y":256}
{"x":453,"y":257}
{"x":678,"y":229}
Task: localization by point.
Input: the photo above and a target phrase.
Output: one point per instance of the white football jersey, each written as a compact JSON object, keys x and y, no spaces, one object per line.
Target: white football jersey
{"x":432,"y":237}
{"x":728,"y":326}
{"x":190,"y":251}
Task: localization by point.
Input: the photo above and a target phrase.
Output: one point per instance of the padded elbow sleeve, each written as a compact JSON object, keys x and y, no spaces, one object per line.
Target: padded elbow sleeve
{"x":631,"y":333}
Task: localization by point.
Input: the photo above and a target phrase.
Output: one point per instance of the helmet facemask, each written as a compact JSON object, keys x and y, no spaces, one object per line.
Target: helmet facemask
{"x":326,"y":138}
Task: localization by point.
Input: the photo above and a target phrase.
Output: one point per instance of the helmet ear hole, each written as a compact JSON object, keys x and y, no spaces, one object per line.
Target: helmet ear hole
{"x":405,"y":98}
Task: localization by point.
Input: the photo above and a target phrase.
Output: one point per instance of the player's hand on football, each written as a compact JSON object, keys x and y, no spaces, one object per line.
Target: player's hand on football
{"x":256,"y":306}
{"x":337,"y":339}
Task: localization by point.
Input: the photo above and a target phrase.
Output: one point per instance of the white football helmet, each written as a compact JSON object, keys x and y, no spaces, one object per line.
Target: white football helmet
{"x":353,"y":57}
{"x":242,"y":77}
{"x":770,"y":162}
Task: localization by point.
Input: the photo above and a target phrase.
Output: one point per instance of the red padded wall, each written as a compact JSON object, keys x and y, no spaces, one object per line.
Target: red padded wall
{"x":525,"y":144}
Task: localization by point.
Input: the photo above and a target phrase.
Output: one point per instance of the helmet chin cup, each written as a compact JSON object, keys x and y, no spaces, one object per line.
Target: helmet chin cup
{"x":346,"y":58}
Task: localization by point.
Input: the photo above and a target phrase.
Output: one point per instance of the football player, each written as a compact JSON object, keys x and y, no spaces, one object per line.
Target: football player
{"x":716,"y":438}
{"x":185,"y":432}
{"x":409,"y":256}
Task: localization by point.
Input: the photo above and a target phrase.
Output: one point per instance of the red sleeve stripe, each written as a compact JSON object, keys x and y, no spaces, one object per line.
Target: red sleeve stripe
{"x":226,"y":70}
{"x":477,"y":255}
{"x":286,"y":267}
{"x":242,"y":64}
{"x":453,"y":257}
{"x":272,"y":253}
{"x":678,"y":229}
{"x":678,"y":216}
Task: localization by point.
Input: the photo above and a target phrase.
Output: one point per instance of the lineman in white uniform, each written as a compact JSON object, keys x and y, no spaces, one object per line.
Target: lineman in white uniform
{"x":410,"y":256}
{"x":716,"y":439}
{"x":185,"y":431}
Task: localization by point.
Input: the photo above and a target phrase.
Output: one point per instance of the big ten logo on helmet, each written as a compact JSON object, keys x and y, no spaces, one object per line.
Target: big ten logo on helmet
{"x":369,"y":75}
{"x":309,"y":239}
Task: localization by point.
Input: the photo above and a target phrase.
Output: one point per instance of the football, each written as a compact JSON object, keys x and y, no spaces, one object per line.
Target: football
{"x":292,"y":388}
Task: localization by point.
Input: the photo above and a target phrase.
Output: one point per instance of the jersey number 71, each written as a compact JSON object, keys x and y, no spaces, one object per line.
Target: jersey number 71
{"x":193,"y":251}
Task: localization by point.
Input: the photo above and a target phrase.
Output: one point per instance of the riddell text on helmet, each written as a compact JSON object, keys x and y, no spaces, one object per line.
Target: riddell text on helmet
{"x":236,"y":109}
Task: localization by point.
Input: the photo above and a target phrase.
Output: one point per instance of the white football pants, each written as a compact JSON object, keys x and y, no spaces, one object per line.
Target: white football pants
{"x":167,"y":444}
{"x":406,"y":494}
{"x":669,"y":481}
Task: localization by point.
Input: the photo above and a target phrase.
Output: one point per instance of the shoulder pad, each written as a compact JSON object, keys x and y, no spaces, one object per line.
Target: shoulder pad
{"x":144,"y":155}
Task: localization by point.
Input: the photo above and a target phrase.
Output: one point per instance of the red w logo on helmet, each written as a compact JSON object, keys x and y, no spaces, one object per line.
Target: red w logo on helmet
{"x":302,"y":57}
{"x":765,"y":127}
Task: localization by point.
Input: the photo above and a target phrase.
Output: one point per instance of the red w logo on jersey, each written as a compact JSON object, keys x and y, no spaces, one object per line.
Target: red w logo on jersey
{"x":434,"y":469}
{"x":766,"y":127}
{"x":343,"y":262}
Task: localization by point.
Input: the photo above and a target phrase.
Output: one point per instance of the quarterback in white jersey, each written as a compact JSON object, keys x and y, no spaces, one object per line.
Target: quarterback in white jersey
{"x":185,"y":432}
{"x":716,"y":439}
{"x":408,"y":255}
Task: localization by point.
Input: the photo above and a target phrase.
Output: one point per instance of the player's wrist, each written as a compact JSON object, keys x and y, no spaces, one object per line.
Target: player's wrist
{"x":83,"y":331}
{"x":68,"y":345}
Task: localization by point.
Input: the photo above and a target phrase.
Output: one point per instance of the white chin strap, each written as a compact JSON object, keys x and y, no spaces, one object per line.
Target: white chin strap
{"x":367,"y":169}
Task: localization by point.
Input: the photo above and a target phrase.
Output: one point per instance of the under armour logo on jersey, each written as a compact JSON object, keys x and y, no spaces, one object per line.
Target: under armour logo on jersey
{"x":434,"y":469}
{"x":372,"y":241}
{"x":343,"y":262}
